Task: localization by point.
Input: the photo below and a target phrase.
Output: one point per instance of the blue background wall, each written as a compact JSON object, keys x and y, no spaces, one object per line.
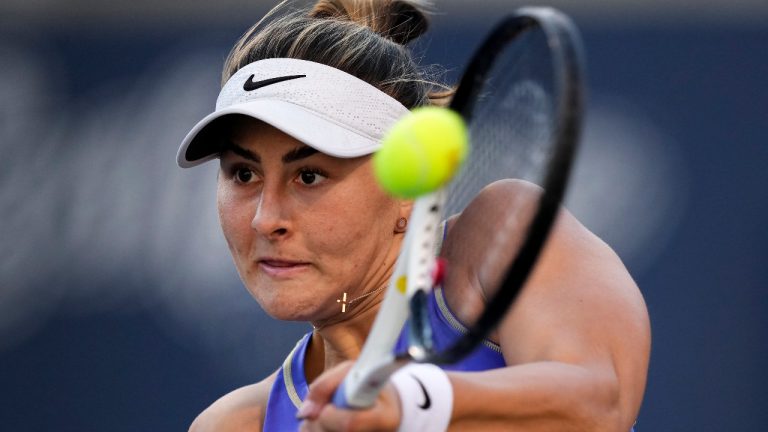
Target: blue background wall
{"x":119,"y":309}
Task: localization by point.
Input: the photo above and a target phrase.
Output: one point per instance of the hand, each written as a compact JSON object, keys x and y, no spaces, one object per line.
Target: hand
{"x":320,"y":415}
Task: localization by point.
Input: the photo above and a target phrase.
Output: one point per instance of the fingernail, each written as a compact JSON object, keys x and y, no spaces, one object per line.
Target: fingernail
{"x":307,"y":410}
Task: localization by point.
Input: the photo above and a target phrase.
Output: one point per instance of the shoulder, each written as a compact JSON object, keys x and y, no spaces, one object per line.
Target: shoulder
{"x":571,"y":253}
{"x":239,"y":410}
{"x":576,"y":271}
{"x":577,"y":285}
{"x":467,"y":238}
{"x":579,"y":305}
{"x":508,"y":198}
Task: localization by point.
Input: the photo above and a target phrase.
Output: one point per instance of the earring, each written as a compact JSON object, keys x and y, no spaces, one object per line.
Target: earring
{"x":402,"y":223}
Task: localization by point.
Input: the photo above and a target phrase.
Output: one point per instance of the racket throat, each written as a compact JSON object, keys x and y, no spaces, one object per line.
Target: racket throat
{"x":420,"y":341}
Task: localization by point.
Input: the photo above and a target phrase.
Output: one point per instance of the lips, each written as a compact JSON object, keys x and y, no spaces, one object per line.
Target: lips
{"x":281,"y":268}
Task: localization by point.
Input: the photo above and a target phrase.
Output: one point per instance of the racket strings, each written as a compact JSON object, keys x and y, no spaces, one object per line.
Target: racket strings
{"x":513,"y":122}
{"x":512,"y":137}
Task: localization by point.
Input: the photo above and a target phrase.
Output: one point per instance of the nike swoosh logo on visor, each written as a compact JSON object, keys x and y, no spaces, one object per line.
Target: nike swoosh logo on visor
{"x":250,"y":85}
{"x":427,"y":401}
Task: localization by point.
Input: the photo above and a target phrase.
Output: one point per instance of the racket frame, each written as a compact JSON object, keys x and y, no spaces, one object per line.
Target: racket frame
{"x":568,"y":65}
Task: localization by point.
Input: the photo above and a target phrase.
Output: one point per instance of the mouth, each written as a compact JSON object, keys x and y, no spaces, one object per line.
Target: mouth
{"x":281,"y":268}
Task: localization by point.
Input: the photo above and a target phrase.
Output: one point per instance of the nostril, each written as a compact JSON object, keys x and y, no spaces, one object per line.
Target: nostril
{"x":280,"y":231}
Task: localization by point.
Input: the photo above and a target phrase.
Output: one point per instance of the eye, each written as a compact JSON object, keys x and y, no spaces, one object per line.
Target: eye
{"x":311,"y":177}
{"x":243,"y":175}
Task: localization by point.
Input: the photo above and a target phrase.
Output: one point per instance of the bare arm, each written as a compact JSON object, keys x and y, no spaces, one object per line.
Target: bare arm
{"x":577,"y":340}
{"x":240,"y":410}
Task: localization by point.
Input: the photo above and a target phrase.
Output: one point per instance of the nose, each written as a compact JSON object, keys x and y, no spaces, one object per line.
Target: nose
{"x":270,"y":219}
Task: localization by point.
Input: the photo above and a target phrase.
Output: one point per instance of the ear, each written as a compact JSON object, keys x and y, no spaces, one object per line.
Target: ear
{"x":404,"y":212}
{"x":406,"y":206}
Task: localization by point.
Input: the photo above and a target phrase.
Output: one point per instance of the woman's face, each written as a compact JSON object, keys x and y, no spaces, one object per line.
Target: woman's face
{"x":303,"y":227}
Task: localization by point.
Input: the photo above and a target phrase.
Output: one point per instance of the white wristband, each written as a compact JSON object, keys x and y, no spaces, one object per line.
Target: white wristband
{"x":426,"y":398}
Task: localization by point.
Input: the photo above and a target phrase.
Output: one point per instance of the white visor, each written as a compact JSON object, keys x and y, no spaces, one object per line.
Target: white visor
{"x":323,"y":107}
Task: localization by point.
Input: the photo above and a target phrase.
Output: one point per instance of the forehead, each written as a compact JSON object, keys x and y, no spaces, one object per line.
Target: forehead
{"x":243,"y":134}
{"x":253,"y":139}
{"x":248,"y":132}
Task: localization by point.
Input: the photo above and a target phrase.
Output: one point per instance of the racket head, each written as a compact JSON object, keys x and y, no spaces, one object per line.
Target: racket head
{"x":522,"y":98}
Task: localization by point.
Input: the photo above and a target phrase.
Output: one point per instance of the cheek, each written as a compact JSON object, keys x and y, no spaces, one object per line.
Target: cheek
{"x":357,"y":224}
{"x":342,"y":233}
{"x":233,"y":217}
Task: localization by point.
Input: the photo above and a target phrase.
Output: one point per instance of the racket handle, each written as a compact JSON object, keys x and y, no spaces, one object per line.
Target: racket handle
{"x":340,"y":396}
{"x":360,"y":388}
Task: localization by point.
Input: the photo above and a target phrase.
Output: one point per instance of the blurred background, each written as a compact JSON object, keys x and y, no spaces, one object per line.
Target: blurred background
{"x":121,"y":311}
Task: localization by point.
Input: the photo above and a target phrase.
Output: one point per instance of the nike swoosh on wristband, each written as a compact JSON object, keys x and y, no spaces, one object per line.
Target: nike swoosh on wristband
{"x":427,"y":401}
{"x":250,"y":85}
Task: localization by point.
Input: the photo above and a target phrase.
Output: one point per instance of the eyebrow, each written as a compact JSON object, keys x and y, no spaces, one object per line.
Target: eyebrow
{"x":236,"y":149}
{"x":299,"y":153}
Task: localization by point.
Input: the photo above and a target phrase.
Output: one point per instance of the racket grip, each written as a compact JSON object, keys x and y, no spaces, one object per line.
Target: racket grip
{"x":340,"y":396}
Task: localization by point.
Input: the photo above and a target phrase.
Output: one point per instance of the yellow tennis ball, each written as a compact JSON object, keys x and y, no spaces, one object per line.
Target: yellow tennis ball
{"x":421,"y":152}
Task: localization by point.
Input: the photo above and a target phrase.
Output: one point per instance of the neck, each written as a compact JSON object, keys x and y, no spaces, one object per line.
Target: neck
{"x":334,"y":342}
{"x":341,"y":337}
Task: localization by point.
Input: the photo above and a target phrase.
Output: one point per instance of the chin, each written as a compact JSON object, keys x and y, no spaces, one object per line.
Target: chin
{"x":289,"y":309}
{"x":296,"y":316}
{"x":289,"y":300}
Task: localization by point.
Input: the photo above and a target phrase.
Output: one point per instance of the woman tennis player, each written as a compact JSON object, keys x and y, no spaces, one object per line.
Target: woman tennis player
{"x":307,"y":96}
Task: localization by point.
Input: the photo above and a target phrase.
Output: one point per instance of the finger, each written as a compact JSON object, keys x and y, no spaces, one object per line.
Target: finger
{"x":328,"y":419}
{"x":322,"y":389}
{"x":383,"y":416}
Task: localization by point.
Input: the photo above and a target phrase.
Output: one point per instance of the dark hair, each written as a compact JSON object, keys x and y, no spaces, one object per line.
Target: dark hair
{"x":364,"y":38}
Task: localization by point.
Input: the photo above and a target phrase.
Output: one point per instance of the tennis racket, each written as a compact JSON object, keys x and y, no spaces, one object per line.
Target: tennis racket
{"x":521,"y":97}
